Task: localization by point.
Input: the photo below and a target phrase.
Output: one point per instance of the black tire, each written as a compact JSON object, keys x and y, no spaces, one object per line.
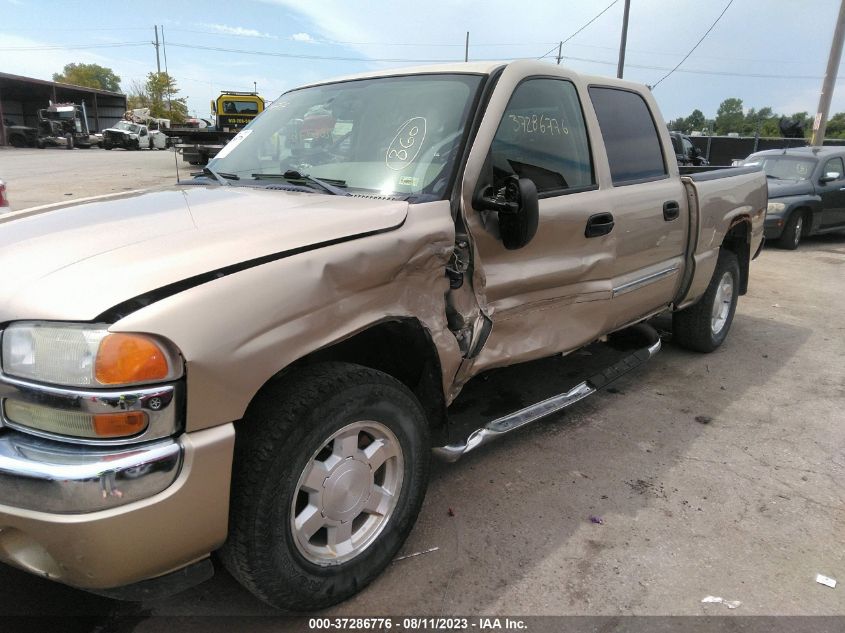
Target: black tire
{"x":16,"y":140}
{"x":692,"y":327}
{"x":792,"y":232}
{"x":283,"y":429}
{"x":107,"y":145}
{"x":40,"y":144}
{"x":69,"y":141}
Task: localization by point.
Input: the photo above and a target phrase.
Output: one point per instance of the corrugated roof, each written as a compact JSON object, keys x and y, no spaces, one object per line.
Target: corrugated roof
{"x":57,"y":84}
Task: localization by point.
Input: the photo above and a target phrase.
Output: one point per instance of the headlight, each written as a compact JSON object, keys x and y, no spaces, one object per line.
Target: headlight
{"x":775,"y":207}
{"x":82,"y":355}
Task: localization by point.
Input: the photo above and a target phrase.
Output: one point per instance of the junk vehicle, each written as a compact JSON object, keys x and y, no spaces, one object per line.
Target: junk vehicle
{"x":272,"y":349}
{"x":137,"y":130}
{"x":806,"y":192}
{"x":686,"y":153}
{"x":19,"y":135}
{"x":64,"y":125}
{"x":233,"y":111}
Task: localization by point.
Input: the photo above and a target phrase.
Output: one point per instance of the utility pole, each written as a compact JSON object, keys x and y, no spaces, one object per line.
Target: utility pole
{"x":560,"y":48}
{"x":621,"y":67}
{"x":820,"y":122}
{"x":466,"y":49}
{"x":158,"y":61}
{"x":164,"y":46}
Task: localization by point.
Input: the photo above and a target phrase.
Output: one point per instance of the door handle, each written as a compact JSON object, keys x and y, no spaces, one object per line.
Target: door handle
{"x":671,"y":210}
{"x":599,"y":224}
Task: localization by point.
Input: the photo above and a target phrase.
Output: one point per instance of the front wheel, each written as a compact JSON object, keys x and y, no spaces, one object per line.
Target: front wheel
{"x":331,"y":467}
{"x":791,"y":236}
{"x":704,"y":326}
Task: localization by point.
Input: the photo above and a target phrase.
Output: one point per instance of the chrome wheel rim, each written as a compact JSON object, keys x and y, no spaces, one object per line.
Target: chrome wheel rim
{"x":347,"y":493}
{"x":722,"y":303}
{"x":799,"y":225}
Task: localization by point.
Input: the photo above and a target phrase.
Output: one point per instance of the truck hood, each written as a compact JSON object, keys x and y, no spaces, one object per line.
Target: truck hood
{"x":77,"y":261}
{"x":783,"y":188}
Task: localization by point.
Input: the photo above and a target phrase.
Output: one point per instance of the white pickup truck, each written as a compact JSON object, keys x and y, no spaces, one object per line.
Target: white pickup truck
{"x":260,"y":362}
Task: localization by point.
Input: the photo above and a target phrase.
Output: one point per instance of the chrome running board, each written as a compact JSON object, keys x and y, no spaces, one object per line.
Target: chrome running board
{"x":516,"y":420}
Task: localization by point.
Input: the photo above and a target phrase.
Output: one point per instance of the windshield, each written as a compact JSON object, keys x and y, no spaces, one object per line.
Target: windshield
{"x":391,"y":135}
{"x":784,"y":167}
{"x":240,"y":107}
{"x":125,"y":125}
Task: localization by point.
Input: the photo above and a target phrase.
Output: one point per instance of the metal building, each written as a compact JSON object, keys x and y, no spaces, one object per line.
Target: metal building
{"x":22,"y":97}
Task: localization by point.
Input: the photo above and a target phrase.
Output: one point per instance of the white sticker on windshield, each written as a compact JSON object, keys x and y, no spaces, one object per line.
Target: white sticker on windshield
{"x":239,"y":138}
{"x":406,"y":144}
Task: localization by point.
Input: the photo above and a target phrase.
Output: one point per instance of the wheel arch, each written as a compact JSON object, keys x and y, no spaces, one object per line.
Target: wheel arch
{"x":401,"y":347}
{"x":809,"y":214}
{"x":738,"y":241}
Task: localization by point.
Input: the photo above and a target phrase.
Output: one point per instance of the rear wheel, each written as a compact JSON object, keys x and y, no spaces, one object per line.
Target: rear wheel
{"x":704,"y":326}
{"x":792,"y":232}
{"x":331,"y":468}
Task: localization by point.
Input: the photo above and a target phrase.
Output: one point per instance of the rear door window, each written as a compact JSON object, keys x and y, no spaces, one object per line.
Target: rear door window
{"x":630,"y":136}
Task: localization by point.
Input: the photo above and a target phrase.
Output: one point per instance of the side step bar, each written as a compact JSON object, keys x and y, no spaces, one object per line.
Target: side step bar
{"x":512,"y":421}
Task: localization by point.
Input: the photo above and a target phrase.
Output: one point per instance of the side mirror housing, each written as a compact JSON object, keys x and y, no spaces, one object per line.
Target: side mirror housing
{"x":830,"y":177}
{"x":518,"y":206}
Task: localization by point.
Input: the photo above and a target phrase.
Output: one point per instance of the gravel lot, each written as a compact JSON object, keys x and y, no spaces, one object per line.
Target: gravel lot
{"x":717,"y":475}
{"x":43,"y":176}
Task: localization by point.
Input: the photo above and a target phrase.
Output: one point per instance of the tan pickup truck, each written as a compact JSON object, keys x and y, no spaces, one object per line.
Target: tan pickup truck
{"x":259,"y":362}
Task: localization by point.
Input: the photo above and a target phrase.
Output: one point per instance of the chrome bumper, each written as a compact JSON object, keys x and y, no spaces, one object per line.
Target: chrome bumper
{"x":47,"y":476}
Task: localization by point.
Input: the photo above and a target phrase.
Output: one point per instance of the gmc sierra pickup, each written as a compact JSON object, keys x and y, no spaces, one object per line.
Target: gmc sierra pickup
{"x":261,"y":361}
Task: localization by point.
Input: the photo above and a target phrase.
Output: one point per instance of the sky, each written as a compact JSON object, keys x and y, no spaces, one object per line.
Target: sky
{"x":765,"y":52}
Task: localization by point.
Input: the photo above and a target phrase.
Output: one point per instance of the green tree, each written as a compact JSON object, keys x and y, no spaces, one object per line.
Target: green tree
{"x":754,"y":120}
{"x":677,"y":125}
{"x":89,"y":75}
{"x":836,"y":126}
{"x":158,"y":93}
{"x":695,"y":121}
{"x":729,"y":116}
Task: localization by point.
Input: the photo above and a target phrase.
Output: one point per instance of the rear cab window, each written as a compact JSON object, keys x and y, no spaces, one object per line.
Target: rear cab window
{"x":631,"y":140}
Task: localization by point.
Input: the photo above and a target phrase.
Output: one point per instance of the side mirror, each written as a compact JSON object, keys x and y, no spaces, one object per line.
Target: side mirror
{"x":518,"y":207}
{"x":830,"y":177}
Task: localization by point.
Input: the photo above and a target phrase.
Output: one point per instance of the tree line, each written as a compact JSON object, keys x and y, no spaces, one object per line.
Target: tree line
{"x":158,"y":91}
{"x":733,"y":117}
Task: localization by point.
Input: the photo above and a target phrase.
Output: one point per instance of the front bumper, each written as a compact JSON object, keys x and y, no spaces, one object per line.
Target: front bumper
{"x":46,"y":476}
{"x":176,"y":513}
{"x":773,"y":227}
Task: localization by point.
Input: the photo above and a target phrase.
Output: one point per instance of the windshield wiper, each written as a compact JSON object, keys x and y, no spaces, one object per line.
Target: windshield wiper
{"x":220,"y":177}
{"x":332,"y":187}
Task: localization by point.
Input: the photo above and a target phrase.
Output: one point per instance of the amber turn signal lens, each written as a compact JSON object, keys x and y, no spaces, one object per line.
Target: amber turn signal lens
{"x":129,"y":358}
{"x":120,"y":424}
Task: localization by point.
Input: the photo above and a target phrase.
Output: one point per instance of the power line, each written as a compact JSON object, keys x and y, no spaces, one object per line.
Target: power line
{"x":602,"y":12}
{"x":706,"y":33}
{"x":56,"y":47}
{"x":311,"y":57}
{"x":456,"y":60}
